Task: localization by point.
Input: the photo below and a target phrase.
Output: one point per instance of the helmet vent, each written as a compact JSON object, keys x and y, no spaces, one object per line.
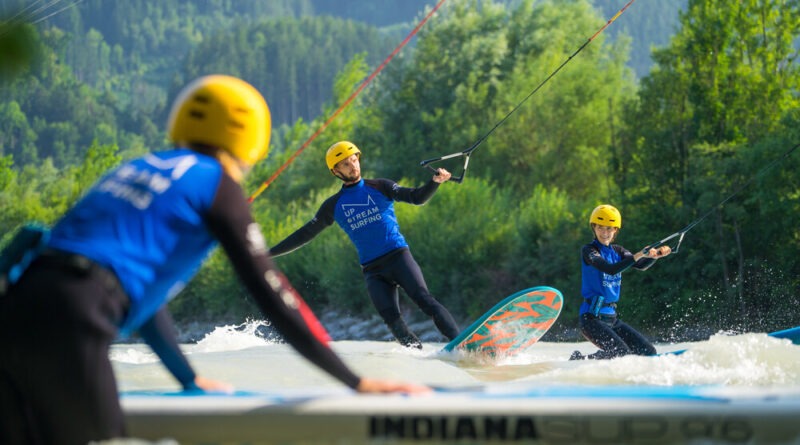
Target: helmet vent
{"x":240,"y":113}
{"x":201,"y":98}
{"x":223,"y":112}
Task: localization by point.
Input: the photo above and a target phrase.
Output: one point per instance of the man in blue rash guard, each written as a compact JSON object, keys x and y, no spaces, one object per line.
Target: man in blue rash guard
{"x":127,"y":247}
{"x":364,"y":209}
{"x":601,"y":273}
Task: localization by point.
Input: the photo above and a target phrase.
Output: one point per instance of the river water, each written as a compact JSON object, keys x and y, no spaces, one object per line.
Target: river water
{"x":241,"y":356}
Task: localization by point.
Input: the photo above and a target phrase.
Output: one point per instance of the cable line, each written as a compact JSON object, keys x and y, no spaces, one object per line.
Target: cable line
{"x":358,"y":90}
{"x":680,"y":234}
{"x":466,"y":153}
{"x":34,"y":14}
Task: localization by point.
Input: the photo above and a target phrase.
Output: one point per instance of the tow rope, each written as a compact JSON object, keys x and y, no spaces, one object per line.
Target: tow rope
{"x":680,"y":234}
{"x":358,"y":90}
{"x":466,"y":153}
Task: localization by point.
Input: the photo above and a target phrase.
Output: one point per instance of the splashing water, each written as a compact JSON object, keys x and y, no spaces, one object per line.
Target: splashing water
{"x":235,"y":337}
{"x":243,"y":356}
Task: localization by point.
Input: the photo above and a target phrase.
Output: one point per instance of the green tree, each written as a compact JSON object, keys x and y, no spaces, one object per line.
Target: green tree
{"x":306,"y":171}
{"x":727,"y":77}
{"x":18,"y":47}
{"x":16,"y":136}
{"x":42,"y":192}
{"x":648,"y":23}
{"x":475,"y":64}
{"x":720,"y":90}
{"x":293,"y":62}
{"x":563,"y":134}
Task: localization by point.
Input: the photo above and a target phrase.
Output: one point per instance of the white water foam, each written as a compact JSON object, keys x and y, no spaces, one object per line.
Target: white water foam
{"x":242,"y":356}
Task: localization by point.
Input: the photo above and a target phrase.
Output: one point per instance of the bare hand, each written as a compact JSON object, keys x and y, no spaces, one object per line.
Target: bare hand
{"x":441,"y":175}
{"x":659,"y":252}
{"x":388,"y":386}
{"x":209,"y":385}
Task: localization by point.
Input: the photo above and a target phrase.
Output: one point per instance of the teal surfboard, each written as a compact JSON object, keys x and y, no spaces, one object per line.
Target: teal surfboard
{"x":511,"y":325}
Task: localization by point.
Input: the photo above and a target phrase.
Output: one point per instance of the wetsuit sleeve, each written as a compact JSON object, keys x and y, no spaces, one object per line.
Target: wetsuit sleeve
{"x":394,"y":191}
{"x":642,"y":264}
{"x":309,"y":231}
{"x":592,"y":257}
{"x":159,"y":333}
{"x":229,"y":219}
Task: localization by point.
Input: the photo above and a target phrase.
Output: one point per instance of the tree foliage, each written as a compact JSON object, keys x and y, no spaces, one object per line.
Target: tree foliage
{"x":294,"y":62}
{"x":711,"y":115}
{"x":706,"y":136}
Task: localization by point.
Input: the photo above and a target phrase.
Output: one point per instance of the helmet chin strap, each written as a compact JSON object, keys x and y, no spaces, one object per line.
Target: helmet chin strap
{"x":339,"y":176}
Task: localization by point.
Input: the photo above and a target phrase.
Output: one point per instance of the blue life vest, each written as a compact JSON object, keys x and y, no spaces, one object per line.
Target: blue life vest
{"x":368,"y":218}
{"x":144,"y":221}
{"x":596,"y":283}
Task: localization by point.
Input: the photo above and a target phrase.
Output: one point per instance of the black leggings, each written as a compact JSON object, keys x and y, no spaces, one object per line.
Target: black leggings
{"x":614,"y":337}
{"x":398,"y":269}
{"x":56,"y":381}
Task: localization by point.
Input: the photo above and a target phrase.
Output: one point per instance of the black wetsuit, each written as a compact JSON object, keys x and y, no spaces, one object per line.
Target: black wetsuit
{"x":365,"y":211}
{"x":56,"y":324}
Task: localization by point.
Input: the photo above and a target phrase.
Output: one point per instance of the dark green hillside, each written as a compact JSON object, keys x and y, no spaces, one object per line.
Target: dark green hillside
{"x":663,"y":135}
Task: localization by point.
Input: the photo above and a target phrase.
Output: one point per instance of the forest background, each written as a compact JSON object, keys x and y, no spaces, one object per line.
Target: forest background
{"x":675,"y":107}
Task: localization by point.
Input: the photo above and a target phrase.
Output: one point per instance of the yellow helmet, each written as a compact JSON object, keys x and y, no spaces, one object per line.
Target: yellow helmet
{"x":340,"y":150}
{"x":606,"y":215}
{"x":224,"y":112}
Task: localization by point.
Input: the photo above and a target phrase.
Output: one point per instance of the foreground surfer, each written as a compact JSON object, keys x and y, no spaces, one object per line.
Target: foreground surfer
{"x":601,"y":274}
{"x":115,"y":259}
{"x":364,"y":209}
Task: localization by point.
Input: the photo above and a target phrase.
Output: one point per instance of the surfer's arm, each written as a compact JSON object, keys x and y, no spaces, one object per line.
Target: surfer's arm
{"x":592,"y":257}
{"x":640,"y":260}
{"x":645,"y":260}
{"x":159,"y":333}
{"x":416,"y":196}
{"x":229,"y":219}
{"x":309,"y":231}
{"x":644,"y":263}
